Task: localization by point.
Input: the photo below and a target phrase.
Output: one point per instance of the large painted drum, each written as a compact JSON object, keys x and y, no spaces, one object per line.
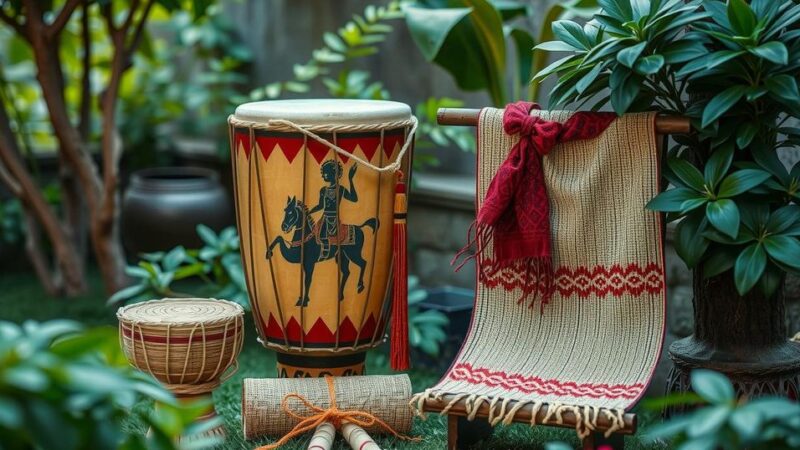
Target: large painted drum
{"x":315,"y":189}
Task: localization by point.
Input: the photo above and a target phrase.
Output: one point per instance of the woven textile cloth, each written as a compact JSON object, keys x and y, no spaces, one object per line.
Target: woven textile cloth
{"x":595,"y":345}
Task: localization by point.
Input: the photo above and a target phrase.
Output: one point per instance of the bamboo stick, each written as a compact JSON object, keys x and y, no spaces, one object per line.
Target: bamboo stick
{"x":469,"y":117}
{"x":323,"y":437}
{"x":357,"y":437}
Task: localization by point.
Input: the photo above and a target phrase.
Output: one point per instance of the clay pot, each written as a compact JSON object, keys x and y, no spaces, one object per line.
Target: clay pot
{"x":163,"y":206}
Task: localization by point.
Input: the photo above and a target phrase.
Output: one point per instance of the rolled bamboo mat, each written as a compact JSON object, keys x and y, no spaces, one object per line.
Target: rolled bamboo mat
{"x":384,"y":396}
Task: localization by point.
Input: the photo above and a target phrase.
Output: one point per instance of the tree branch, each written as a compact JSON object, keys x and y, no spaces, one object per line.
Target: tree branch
{"x":131,"y":13}
{"x":8,"y":179}
{"x":50,"y":76}
{"x":107,"y":12}
{"x":86,"y":85}
{"x":112,"y":146}
{"x":138,"y":33}
{"x":63,"y":18}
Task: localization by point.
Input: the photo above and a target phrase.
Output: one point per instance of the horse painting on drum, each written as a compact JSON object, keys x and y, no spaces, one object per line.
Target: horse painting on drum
{"x":320,"y":240}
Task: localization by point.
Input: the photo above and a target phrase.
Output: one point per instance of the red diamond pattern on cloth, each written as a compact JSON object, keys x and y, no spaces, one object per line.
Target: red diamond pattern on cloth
{"x":583,"y":282}
{"x":533,"y":384}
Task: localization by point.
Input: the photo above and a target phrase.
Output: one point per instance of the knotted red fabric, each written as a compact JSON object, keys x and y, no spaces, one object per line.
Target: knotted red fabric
{"x":515,"y":215}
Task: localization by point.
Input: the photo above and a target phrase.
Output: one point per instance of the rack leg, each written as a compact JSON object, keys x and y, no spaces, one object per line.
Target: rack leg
{"x":588,"y":442}
{"x":452,"y":432}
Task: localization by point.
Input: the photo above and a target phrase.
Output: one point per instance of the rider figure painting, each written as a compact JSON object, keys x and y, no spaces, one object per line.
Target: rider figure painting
{"x":329,"y":199}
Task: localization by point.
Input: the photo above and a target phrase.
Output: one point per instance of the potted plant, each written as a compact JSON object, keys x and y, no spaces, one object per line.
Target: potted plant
{"x":732,"y":68}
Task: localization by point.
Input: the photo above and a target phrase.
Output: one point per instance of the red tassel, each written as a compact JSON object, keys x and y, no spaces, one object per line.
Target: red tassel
{"x":400,"y":359}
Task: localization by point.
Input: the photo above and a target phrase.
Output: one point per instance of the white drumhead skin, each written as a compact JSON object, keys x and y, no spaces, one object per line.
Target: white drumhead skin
{"x":325,"y":111}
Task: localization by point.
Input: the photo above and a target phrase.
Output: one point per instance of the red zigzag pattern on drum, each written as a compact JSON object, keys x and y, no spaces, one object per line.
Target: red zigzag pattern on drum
{"x":515,"y":382}
{"x":600,"y":281}
{"x":319,"y":333}
{"x":291,"y":144}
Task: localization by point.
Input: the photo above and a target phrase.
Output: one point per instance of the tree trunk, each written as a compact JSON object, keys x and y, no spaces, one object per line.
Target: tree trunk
{"x":50,"y":280}
{"x":108,"y":250}
{"x":743,"y":337}
{"x":74,"y":208}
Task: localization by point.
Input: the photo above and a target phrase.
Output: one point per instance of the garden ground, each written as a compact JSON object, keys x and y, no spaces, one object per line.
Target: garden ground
{"x":23,"y":299}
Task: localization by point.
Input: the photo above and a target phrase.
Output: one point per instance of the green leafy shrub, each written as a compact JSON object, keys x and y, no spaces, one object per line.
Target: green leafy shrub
{"x":732,"y":68}
{"x":456,"y":34}
{"x":425,"y":328}
{"x":218,"y":264}
{"x":761,"y":423}
{"x":62,"y":386}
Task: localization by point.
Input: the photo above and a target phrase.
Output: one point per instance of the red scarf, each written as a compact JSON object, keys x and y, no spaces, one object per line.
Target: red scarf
{"x":515,"y":216}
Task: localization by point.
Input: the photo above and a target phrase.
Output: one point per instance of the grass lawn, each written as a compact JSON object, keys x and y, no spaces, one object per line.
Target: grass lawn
{"x":21,"y":299}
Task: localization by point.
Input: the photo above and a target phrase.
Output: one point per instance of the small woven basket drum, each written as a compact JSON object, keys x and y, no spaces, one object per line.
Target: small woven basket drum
{"x":316,"y":184}
{"x":189,"y":345}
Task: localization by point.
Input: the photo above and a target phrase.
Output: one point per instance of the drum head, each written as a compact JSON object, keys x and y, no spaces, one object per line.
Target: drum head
{"x":183,"y":311}
{"x":313,"y":112}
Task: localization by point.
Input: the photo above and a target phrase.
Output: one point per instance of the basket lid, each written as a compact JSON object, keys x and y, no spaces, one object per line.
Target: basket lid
{"x":175,"y":311}
{"x":314,"y":112}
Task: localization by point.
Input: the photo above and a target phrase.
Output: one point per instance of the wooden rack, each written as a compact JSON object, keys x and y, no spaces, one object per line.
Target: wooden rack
{"x":469,"y":117}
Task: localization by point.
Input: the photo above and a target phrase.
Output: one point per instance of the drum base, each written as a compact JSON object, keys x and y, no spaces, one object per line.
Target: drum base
{"x":304,"y":366}
{"x":209,"y":414}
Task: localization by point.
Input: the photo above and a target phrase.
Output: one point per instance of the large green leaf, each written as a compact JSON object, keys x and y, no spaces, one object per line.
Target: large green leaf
{"x":467,"y":42}
{"x":430,"y":27}
{"x":755,"y":214}
{"x":628,"y":56}
{"x":783,"y":249}
{"x":673,"y":200}
{"x":783,"y":218}
{"x":689,"y":241}
{"x":707,"y":422}
{"x":774,"y":51}
{"x":741,"y":17}
{"x":767,"y":158}
{"x":717,"y":165}
{"x":687,"y":173}
{"x":683,"y":51}
{"x":649,"y":64}
{"x":571,"y":33}
{"x":746,"y":133}
{"x":589,"y":78}
{"x":749,"y":266}
{"x":721,"y":103}
{"x":723,"y":214}
{"x":741,"y":181}
{"x":623,"y":96}
{"x":523,"y":43}
{"x":618,"y":9}
{"x":783,"y":88}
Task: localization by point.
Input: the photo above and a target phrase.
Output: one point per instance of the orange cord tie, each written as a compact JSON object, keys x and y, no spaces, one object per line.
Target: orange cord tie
{"x":333,"y":415}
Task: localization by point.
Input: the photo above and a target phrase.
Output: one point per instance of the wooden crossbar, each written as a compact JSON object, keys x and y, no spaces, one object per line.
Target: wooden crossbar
{"x":469,"y":117}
